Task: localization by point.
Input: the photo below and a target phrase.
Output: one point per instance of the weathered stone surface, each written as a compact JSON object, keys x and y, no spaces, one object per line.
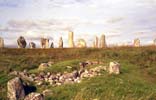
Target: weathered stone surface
{"x":44,"y":43}
{"x":154,"y":41}
{"x":60,"y":42}
{"x":52,"y":45}
{"x":21,"y":42}
{"x":95,"y":43}
{"x":81,"y":43}
{"x":70,"y":39}
{"x":43,"y":66}
{"x":34,"y":96}
{"x":1,"y":42}
{"x":114,"y":68}
{"x":102,"y":41}
{"x":136,"y":43}
{"x":32,"y":45}
{"x":15,"y":89}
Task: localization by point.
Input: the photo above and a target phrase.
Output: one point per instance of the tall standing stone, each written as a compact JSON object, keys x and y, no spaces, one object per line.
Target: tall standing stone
{"x":32,"y":45}
{"x":70,"y":39}
{"x":21,"y":42}
{"x":1,"y":42}
{"x":102,"y":41}
{"x":81,"y":43}
{"x":52,"y":45}
{"x":44,"y":43}
{"x":60,"y":42}
{"x":136,"y":42}
{"x":15,"y":89}
{"x":96,"y":42}
{"x":154,"y":41}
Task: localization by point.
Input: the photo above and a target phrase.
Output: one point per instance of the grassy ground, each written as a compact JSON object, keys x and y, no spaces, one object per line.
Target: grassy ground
{"x":136,"y":82}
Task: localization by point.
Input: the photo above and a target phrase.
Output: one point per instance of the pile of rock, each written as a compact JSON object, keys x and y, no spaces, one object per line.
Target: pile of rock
{"x":16,"y":88}
{"x":65,"y":78}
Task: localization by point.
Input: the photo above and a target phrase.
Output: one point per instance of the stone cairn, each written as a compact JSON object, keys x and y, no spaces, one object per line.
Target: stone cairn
{"x":136,"y":42}
{"x":60,"y":42}
{"x":102,"y":41}
{"x":70,"y":39}
{"x":32,"y":45}
{"x":21,"y":42}
{"x":16,"y":88}
{"x":1,"y":42}
{"x":68,"y":78}
{"x":81,"y":43}
{"x":44,"y":43}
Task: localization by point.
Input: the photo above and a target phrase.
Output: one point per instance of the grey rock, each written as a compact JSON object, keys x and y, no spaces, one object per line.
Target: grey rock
{"x":15,"y":89}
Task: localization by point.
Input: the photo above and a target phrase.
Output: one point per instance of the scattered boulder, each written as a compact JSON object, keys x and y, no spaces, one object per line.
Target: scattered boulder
{"x":43,"y":66}
{"x":114,"y":68}
{"x":15,"y":89}
{"x":21,"y":42}
{"x":34,"y":96}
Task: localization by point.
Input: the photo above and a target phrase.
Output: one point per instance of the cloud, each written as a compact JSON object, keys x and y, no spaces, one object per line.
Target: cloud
{"x":115,"y":20}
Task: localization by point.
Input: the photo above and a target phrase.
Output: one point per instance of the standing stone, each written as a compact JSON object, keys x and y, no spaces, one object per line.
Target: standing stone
{"x":60,"y":42}
{"x":21,"y":42}
{"x":70,"y":39}
{"x":15,"y":89}
{"x":114,"y":68}
{"x":1,"y":42}
{"x":32,"y":45}
{"x":136,"y":42}
{"x":102,"y":41}
{"x":34,"y":96}
{"x":52,"y":45}
{"x":96,"y":42}
{"x":154,"y":41}
{"x":44,"y":43}
{"x":81,"y":43}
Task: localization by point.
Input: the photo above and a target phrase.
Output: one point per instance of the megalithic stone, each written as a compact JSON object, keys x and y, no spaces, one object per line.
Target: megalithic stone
{"x":1,"y":42}
{"x":93,"y":44}
{"x":47,"y":43}
{"x":52,"y":45}
{"x":44,"y":43}
{"x":96,"y":42}
{"x":81,"y":43}
{"x":154,"y":41}
{"x":21,"y":42}
{"x":70,"y":39}
{"x":32,"y":45}
{"x":60,"y":42}
{"x":136,"y":42}
{"x":102,"y":41}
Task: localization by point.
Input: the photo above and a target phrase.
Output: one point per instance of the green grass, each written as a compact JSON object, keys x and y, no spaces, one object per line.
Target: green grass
{"x":137,"y":80}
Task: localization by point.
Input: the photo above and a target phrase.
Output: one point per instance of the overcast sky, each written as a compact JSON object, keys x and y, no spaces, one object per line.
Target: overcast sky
{"x":120,"y":20}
